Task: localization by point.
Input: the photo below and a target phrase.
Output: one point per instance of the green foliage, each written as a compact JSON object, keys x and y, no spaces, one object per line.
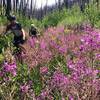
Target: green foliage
{"x":36,"y":80}
{"x":58,"y":62}
{"x":25,"y":75}
{"x":71,"y":16}
{"x":4,"y":41}
{"x":27,"y":22}
{"x":1,"y":58}
{"x":54,"y":18}
{"x":97,"y":24}
{"x":92,"y":14}
{"x":3,"y":20}
{"x":74,"y":17}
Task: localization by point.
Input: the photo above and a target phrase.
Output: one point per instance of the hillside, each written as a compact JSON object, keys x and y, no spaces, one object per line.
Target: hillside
{"x":61,"y":63}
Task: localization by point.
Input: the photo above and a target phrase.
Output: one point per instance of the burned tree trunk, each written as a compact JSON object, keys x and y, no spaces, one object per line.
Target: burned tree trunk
{"x":8,"y":7}
{"x":59,"y":5}
{"x":46,"y":7}
{"x":97,"y":1}
{"x":66,"y":3}
{"x":34,"y":7}
{"x":16,"y":4}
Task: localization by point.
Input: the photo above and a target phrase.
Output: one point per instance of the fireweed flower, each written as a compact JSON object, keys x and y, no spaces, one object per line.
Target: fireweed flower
{"x":24,"y":88}
{"x":44,"y":94}
{"x":32,"y":42}
{"x":81,"y":73}
{"x":43,"y":70}
{"x":91,"y":39}
{"x":63,"y":50}
{"x":6,"y":79}
{"x":43,"y":44}
{"x":59,"y":80}
{"x":1,"y":73}
{"x":10,"y":68}
{"x":71,"y":98}
{"x":97,"y":56}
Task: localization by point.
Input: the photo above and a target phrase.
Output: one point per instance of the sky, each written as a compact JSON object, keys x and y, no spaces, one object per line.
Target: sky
{"x":43,"y":2}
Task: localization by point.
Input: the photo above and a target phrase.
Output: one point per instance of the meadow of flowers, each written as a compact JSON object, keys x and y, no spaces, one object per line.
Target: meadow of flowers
{"x":62,"y":64}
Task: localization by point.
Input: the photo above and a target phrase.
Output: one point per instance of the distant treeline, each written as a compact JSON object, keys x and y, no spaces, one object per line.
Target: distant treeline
{"x":28,"y":9}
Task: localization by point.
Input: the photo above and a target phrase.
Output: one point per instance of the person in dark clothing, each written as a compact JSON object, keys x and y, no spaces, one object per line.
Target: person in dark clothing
{"x":33,"y":31}
{"x":16,"y":29}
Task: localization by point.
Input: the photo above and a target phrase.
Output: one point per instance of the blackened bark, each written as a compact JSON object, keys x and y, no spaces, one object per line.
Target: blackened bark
{"x":8,"y":7}
{"x":66,"y":3}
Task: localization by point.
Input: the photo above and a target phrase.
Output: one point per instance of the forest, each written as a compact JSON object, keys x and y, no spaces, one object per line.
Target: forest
{"x":50,"y":52}
{"x":26,"y":8}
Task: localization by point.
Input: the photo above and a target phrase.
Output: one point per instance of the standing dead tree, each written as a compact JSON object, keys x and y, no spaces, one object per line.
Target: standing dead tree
{"x":8,"y":7}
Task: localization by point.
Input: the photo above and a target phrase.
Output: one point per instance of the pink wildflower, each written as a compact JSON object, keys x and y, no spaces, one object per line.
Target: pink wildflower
{"x":43,"y":70}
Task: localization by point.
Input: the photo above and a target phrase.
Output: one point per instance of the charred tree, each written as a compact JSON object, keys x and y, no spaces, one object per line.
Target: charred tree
{"x":66,"y":3}
{"x":8,"y":7}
